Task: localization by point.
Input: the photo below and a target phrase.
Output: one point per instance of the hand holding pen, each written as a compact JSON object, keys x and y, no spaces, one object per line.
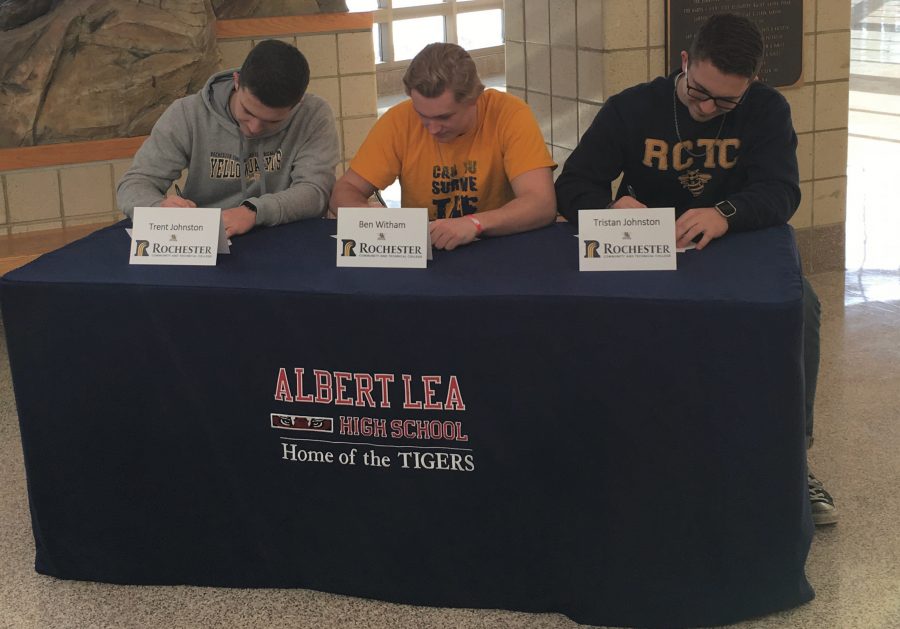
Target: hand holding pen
{"x":629,"y":201}
{"x":177,"y":200}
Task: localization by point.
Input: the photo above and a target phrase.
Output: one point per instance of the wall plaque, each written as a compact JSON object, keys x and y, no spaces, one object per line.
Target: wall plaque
{"x":781,"y":23}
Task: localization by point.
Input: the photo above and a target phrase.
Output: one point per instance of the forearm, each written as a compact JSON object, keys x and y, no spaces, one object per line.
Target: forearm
{"x":304,"y":200}
{"x":579,"y":191}
{"x":764,"y":204}
{"x":135,"y":190}
{"x":347,"y":195}
{"x":533,"y":206}
{"x":519,"y":215}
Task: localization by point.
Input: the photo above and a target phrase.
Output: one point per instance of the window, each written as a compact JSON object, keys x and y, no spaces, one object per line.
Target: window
{"x":479,"y":29}
{"x":404,"y":27}
{"x":413,"y":34}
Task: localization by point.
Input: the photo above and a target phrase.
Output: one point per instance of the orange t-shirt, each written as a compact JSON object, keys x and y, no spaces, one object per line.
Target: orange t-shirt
{"x":470,"y":174}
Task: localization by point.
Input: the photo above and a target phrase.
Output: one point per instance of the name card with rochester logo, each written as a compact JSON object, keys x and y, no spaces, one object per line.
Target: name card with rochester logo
{"x":177,"y":236}
{"x":383,"y":237}
{"x":627,"y":240}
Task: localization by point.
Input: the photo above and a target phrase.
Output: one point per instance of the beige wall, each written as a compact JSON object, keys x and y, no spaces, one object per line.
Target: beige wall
{"x":48,"y":198}
{"x":566,"y":57}
{"x":342,"y":66}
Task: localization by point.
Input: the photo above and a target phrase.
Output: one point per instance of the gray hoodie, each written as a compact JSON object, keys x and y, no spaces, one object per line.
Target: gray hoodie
{"x":198,"y":132}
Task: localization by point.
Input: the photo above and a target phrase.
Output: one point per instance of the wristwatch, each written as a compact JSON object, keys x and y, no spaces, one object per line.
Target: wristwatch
{"x":726,"y":208}
{"x":252,"y":207}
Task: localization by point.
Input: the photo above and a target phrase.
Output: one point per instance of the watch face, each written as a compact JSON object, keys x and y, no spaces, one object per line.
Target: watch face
{"x":726,"y":208}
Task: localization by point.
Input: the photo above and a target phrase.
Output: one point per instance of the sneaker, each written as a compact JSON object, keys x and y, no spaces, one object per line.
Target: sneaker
{"x":823,"y":509}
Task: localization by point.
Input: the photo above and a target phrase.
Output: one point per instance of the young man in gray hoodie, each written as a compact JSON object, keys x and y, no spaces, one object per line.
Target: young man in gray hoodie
{"x":254,"y":143}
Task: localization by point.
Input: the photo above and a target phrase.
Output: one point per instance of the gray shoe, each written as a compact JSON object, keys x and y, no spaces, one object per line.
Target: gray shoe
{"x":823,"y":509}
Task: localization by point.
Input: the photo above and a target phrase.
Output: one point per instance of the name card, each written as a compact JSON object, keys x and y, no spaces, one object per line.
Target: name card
{"x":627,"y":240}
{"x":383,"y":237}
{"x":177,"y":236}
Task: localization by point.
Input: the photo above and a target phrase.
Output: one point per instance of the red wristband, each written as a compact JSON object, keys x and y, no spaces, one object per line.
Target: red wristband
{"x":478,"y":226}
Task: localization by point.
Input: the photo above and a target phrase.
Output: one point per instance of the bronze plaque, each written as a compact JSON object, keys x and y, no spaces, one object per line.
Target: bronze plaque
{"x":781,"y":23}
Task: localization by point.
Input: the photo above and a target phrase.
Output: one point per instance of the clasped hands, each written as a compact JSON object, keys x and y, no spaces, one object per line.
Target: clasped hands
{"x":237,"y":220}
{"x":705,"y":221}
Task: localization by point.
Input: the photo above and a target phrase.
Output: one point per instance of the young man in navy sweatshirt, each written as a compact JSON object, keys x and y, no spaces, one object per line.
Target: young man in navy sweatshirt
{"x":716,"y":144}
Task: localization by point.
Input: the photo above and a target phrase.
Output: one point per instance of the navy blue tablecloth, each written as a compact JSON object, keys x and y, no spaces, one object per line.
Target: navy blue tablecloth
{"x":505,"y":432}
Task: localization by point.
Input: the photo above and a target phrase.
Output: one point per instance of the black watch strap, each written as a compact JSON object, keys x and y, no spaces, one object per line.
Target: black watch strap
{"x":249,"y":206}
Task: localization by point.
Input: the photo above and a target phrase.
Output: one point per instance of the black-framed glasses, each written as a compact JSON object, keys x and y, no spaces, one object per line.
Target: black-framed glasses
{"x":725,"y":104}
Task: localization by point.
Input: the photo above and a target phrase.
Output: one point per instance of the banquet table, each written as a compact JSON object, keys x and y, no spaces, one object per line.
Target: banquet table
{"x":498,"y":430}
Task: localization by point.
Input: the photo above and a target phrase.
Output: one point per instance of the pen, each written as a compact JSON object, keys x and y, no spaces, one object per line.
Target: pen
{"x":178,"y":190}
{"x":631,"y":192}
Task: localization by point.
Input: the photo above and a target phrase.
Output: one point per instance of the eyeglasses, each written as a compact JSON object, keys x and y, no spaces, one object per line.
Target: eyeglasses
{"x":725,"y":104}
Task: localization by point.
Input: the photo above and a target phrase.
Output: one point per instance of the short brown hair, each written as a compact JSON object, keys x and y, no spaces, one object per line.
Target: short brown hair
{"x":276,"y":73}
{"x":439,"y":67}
{"x":732,"y":43}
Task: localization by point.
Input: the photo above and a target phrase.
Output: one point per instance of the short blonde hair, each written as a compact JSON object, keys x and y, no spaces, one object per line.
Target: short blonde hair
{"x":439,"y":67}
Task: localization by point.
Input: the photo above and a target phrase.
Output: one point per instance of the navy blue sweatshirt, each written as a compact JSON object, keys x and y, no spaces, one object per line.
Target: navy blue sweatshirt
{"x":753,"y":164}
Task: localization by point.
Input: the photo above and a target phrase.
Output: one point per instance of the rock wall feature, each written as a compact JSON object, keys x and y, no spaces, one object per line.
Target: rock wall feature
{"x":332,"y":6}
{"x":16,"y":13}
{"x":96,"y":69}
{"x":233,"y":9}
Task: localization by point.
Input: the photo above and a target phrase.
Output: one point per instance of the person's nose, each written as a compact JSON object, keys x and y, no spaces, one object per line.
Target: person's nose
{"x":254,"y":126}
{"x":708,"y":106}
{"x":433,"y":127}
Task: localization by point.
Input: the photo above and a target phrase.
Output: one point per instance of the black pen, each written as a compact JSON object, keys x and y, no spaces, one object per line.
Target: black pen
{"x":178,"y":191}
{"x":631,"y":192}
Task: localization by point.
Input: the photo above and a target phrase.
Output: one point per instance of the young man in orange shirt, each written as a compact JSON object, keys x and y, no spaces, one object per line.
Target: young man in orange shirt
{"x":474,"y":157}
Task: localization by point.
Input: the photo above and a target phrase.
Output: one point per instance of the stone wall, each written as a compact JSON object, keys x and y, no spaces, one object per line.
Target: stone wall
{"x":566,"y":57}
{"x":101,"y":69}
{"x":232,"y":9}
